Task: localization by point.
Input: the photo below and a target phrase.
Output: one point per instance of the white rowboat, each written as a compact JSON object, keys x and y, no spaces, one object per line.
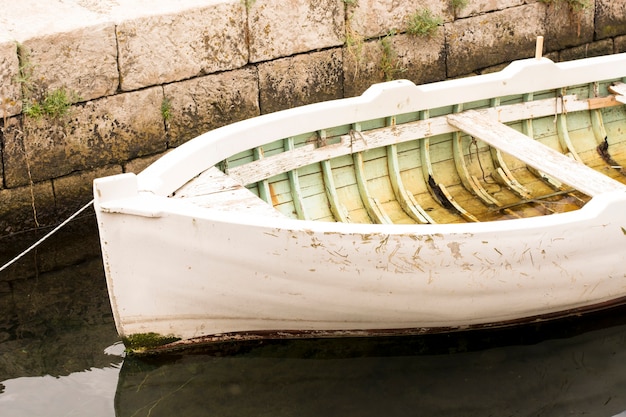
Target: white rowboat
{"x":490,"y":200}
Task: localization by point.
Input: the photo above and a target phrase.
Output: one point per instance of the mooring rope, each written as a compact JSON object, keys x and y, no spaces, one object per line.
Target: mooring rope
{"x":43,"y":239}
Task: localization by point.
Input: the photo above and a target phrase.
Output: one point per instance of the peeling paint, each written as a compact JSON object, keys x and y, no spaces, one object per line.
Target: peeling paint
{"x":455,"y":249}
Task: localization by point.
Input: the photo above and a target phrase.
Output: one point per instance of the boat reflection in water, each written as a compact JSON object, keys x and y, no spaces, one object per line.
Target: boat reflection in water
{"x":568,"y":367}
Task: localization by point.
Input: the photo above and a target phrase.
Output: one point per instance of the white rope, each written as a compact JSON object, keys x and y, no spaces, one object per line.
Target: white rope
{"x":40,"y":241}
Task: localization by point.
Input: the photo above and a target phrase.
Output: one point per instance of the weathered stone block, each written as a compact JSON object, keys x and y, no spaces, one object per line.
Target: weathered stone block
{"x":419,"y":59}
{"x":475,"y":7}
{"x":206,"y":103}
{"x":164,"y":48}
{"x":110,"y":130}
{"x":603,"y":47}
{"x":566,"y":27}
{"x":610,"y":18}
{"x":10,"y":91}
{"x":278,"y":29}
{"x":82,"y":61}
{"x":74,"y":191}
{"x":372,"y":18}
{"x":139,"y":164}
{"x":11,"y":134}
{"x":619,"y":45}
{"x":26,"y":207}
{"x":486,"y":40}
{"x":300,"y":80}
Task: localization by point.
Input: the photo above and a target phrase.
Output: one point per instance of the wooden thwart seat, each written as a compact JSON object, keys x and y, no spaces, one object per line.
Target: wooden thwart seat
{"x":533,"y":153}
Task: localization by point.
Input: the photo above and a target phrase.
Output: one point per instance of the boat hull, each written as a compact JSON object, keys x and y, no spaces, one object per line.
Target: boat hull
{"x":218,"y":273}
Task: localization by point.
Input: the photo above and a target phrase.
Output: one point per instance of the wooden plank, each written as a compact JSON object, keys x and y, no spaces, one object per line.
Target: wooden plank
{"x":218,"y":191}
{"x":533,"y":153}
{"x":294,"y":186}
{"x":619,"y":89}
{"x":602,"y":102}
{"x":365,"y":140}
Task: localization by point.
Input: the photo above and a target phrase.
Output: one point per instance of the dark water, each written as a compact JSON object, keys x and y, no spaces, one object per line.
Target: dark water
{"x":60,"y":356}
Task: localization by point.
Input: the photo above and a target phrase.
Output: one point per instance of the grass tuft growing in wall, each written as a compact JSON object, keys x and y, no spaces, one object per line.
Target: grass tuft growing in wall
{"x":423,"y":23}
{"x":390,"y":65}
{"x":54,"y":104}
{"x":37,"y":100}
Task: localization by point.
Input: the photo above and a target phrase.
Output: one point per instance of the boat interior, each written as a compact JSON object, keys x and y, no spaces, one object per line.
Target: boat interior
{"x":505,"y":158}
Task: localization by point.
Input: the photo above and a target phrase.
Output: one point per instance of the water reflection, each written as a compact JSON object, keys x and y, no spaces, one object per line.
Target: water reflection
{"x":499,"y":373}
{"x":55,"y":317}
{"x":55,"y":323}
{"x":88,"y":392}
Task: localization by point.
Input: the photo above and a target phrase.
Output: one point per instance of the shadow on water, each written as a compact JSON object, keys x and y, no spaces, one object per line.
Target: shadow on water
{"x":54,"y":308}
{"x":55,"y":323}
{"x":569,"y":367}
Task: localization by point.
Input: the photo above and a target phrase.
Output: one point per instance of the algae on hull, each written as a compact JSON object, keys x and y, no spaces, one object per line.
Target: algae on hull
{"x":142,"y":342}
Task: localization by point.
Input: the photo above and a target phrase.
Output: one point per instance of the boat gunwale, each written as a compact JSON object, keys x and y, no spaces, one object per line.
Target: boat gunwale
{"x":188,"y":160}
{"x":151,"y":206}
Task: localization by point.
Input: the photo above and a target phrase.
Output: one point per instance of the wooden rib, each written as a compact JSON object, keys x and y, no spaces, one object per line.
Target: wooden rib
{"x":597,"y":124}
{"x":437,"y":190}
{"x":294,"y":186}
{"x":372,"y":205}
{"x":339,"y":210}
{"x":502,"y":173}
{"x":263,"y":185}
{"x":599,"y":131}
{"x":562,"y":132}
{"x":470,"y":182}
{"x":527,"y":129}
{"x":406,"y":199}
{"x":535,"y":154}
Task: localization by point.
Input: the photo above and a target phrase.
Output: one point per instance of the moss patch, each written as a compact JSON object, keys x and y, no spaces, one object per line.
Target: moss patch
{"x":140,"y":342}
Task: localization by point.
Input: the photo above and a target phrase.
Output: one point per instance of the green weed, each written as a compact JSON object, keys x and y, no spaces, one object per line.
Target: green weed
{"x":423,"y":23}
{"x":37,"y":100}
{"x":389,"y":63}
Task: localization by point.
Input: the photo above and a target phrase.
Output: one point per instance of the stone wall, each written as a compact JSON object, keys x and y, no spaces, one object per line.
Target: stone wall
{"x":148,"y":75}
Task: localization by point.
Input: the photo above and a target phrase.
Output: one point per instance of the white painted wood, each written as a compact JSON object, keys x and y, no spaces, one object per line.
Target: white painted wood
{"x":218,"y":191}
{"x":619,"y":89}
{"x":176,"y":268}
{"x":535,"y":154}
